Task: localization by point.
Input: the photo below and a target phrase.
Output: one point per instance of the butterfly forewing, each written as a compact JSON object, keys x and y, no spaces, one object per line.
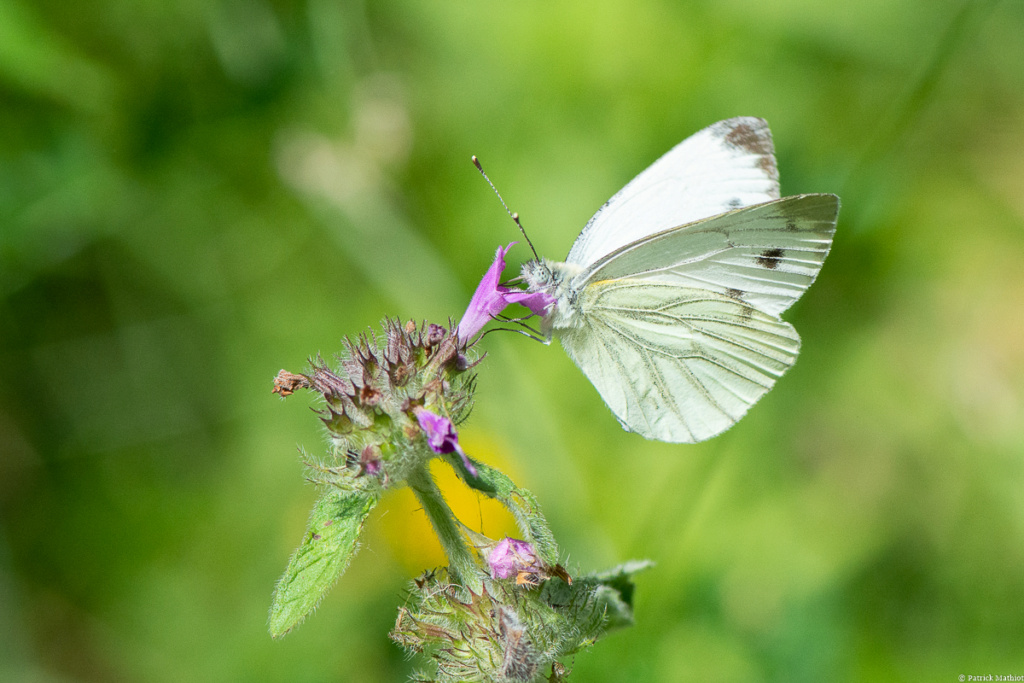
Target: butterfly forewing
{"x":765,"y":255}
{"x":675,"y":363}
{"x":728,"y":165}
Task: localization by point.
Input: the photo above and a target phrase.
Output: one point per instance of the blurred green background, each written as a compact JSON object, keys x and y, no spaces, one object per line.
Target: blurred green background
{"x":194,"y":195}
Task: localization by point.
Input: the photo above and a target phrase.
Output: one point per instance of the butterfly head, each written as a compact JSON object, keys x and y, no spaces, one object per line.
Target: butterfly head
{"x":554,"y":279}
{"x":538,"y":275}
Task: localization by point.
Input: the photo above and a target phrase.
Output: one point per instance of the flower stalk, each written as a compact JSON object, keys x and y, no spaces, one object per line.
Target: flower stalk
{"x":462,"y":564}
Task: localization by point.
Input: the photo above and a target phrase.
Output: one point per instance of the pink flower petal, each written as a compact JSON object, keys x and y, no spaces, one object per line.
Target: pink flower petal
{"x":510,"y":557}
{"x":441,"y":436}
{"x":488,"y":299}
{"x":538,"y":302}
{"x":491,"y":298}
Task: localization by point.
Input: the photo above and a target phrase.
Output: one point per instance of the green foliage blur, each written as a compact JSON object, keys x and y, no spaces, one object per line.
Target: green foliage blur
{"x":194,"y":195}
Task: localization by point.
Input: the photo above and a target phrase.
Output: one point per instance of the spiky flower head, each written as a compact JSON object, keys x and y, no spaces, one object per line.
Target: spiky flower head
{"x":372,"y":399}
{"x":369,"y":405}
{"x":506,"y":632}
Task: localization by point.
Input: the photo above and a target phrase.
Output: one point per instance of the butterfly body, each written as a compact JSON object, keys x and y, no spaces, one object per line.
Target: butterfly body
{"x":669,"y":300}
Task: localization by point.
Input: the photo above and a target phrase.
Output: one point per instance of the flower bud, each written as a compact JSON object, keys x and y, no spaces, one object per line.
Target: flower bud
{"x":511,"y":558}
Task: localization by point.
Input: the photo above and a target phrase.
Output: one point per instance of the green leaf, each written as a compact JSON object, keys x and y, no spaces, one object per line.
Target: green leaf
{"x":329,"y":544}
{"x":616,"y":592}
{"x":593,"y":604}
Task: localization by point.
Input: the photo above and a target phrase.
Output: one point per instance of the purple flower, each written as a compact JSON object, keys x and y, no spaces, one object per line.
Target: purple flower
{"x":491,"y":298}
{"x":441,"y":435}
{"x":510,"y":557}
{"x":488,"y":299}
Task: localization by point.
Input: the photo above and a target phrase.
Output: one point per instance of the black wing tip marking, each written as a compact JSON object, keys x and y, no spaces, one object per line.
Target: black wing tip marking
{"x":746,"y":133}
{"x":751,"y":135}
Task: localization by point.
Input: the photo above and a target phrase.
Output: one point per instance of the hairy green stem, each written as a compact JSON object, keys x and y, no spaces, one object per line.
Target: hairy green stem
{"x":520,"y":502}
{"x":446,"y":526}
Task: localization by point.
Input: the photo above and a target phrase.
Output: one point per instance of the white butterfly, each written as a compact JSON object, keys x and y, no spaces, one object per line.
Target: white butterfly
{"x":669,"y":299}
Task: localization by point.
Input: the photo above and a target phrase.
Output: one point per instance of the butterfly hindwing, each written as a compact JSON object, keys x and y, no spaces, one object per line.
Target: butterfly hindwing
{"x":675,"y":363}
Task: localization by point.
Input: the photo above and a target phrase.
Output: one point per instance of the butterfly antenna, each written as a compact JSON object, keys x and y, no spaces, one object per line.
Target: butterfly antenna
{"x":515,"y":216}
